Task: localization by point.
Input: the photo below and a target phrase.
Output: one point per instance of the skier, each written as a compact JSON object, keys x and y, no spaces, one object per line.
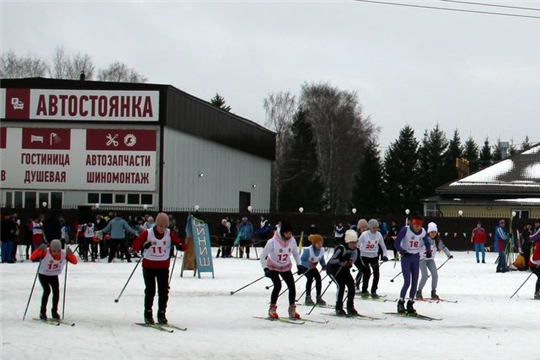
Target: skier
{"x":52,"y":261}
{"x":360,"y":228}
{"x":500,"y":242}
{"x":534,"y":261}
{"x":408,"y":243}
{"x":338,"y":269}
{"x":369,"y":243}
{"x":311,"y":257}
{"x":429,"y":263}
{"x":276,"y":261}
{"x":157,"y":242}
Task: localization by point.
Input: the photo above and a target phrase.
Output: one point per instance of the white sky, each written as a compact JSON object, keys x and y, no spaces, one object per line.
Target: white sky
{"x":485,"y":324}
{"x":477,"y":73}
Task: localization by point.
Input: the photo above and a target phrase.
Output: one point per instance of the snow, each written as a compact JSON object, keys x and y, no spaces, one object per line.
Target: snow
{"x":484,"y":324}
{"x":489,"y":174}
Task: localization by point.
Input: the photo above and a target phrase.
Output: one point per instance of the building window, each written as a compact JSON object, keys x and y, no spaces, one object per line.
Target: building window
{"x":44,"y":199}
{"x":30,"y":199}
{"x":18,"y":199}
{"x":9,"y":199}
{"x":56,"y":200}
{"x":93,"y":198}
{"x":134,"y":199}
{"x":522,"y":214}
{"x":106,"y":198}
{"x":147,"y":199}
{"x":120,"y":198}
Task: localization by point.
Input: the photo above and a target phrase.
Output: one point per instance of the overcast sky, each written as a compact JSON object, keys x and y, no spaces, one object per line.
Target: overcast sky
{"x":477,"y":73}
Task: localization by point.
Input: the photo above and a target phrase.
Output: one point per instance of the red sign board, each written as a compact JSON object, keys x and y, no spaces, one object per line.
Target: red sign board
{"x":3,"y":138}
{"x":121,"y":140}
{"x":17,"y":103}
{"x":46,"y":139}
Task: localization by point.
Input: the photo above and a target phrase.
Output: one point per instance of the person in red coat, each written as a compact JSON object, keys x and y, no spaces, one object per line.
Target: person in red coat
{"x":534,"y":261}
{"x":157,"y":243}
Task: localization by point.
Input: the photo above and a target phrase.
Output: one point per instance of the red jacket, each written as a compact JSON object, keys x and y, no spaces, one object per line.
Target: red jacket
{"x":147,"y":263}
{"x":534,"y":261}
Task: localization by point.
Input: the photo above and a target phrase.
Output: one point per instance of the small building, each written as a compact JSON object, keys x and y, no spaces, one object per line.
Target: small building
{"x":67,"y":143}
{"x":510,"y":186}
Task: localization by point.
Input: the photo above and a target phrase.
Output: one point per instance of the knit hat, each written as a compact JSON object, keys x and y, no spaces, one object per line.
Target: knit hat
{"x":162,"y":219}
{"x":361,"y":223}
{"x":285,"y":226}
{"x":351,"y":236}
{"x":56,"y":245}
{"x":315,"y":239}
{"x":432,"y":227}
{"x":373,"y":224}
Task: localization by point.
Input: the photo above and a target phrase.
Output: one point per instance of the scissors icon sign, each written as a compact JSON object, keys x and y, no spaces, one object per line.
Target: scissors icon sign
{"x":111,"y":140}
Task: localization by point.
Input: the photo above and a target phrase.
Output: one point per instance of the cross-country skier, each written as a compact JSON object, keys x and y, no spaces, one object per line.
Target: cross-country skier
{"x":408,"y":243}
{"x":311,"y":257}
{"x":339,"y":269}
{"x":157,"y":242}
{"x":369,"y":243}
{"x":51,"y":265}
{"x":276,"y":261}
{"x":429,"y":263}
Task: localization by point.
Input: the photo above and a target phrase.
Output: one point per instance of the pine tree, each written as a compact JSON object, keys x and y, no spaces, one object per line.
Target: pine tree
{"x":401,"y":175}
{"x":219,"y":102}
{"x":485,"y":158}
{"x":454,"y":151}
{"x":470,"y":152}
{"x":431,"y":168}
{"x":525,"y":145}
{"x":367,"y":193}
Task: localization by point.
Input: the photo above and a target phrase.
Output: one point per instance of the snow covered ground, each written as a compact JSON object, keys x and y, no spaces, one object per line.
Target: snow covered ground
{"x":484,"y":324}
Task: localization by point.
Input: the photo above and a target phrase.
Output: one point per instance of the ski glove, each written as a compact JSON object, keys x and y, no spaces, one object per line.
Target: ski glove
{"x":267,"y":272}
{"x":147,"y":244}
{"x":384,"y":258}
{"x":301,"y":269}
{"x":179,"y":247}
{"x":42,"y":247}
{"x":428,"y":254}
{"x":68,"y":251}
{"x":451,"y":257}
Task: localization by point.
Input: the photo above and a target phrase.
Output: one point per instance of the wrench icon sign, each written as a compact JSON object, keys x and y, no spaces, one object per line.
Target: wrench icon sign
{"x":111,"y":140}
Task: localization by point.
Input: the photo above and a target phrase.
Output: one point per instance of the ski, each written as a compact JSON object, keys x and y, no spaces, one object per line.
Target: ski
{"x":315,"y":321}
{"x":318,"y":306}
{"x":176,"y":327}
{"x":358,"y":317}
{"x":63,"y":322}
{"x":379,"y":299}
{"x":432,"y":300}
{"x":283,"y":320}
{"x":414,"y":316}
{"x":49,"y":322}
{"x":155,"y":326}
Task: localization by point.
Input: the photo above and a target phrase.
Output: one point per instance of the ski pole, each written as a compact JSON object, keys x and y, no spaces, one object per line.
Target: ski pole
{"x":521,"y":285}
{"x":392,"y":279}
{"x":172,"y":269}
{"x":329,"y":283}
{"x":306,"y":289}
{"x":295,"y":281}
{"x":270,"y":286}
{"x":32,"y":291}
{"x":440,"y":266}
{"x":65,"y":284}
{"x":245,"y":286}
{"x":127,"y":282}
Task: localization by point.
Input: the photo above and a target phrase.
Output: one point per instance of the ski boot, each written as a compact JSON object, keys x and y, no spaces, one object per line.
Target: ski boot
{"x":309,"y":300}
{"x":374,"y":295}
{"x":364,"y":294}
{"x":161,"y":317}
{"x":537,"y":295}
{"x":401,"y":306}
{"x":272,"y":311}
{"x":42,"y":315}
{"x":410,"y":308}
{"x":419,"y":295}
{"x":434,"y":295}
{"x":148,"y":318}
{"x":55,"y":315}
{"x":351,"y":311}
{"x":292,"y":312}
{"x":320,"y":301}
{"x":339,"y":310}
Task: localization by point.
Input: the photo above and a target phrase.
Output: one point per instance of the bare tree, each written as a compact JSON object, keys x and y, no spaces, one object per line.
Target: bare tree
{"x":280,"y":109}
{"x":120,"y":72}
{"x":66,"y":67}
{"x":15,"y":67}
{"x":341,"y":134}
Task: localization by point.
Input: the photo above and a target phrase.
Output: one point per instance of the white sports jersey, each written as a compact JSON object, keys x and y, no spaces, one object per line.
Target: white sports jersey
{"x":50,"y":266}
{"x":277,"y":253}
{"x":314,"y":259}
{"x":411,"y":242}
{"x":161,"y":248}
{"x":89,"y":231}
{"x":369,"y":242}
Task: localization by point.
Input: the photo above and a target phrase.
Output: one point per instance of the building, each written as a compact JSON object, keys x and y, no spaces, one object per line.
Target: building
{"x":67,"y":143}
{"x":510,"y":187}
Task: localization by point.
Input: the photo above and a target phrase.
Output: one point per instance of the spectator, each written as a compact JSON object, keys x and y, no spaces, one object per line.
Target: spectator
{"x":99,"y":226}
{"x":500,"y":242}
{"x":36,"y":228}
{"x":52,"y":227}
{"x":478,"y":237}
{"x":245,"y":237}
{"x":391,"y":237}
{"x":7,"y":237}
{"x":117,"y":227}
{"x":339,"y":233}
{"x":223,"y":232}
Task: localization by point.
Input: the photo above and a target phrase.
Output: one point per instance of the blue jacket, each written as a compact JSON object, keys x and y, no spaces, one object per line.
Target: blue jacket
{"x":118,"y":227}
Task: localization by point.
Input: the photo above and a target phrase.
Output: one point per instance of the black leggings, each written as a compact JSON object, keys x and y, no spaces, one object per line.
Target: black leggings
{"x":536,"y":271}
{"x":287,"y":276}
{"x":151,"y":276}
{"x":366,"y":271}
{"x":313,"y":274}
{"x":343,"y":278}
{"x":49,"y":283}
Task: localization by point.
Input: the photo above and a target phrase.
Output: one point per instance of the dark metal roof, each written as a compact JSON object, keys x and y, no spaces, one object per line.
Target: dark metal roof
{"x":178,"y":110}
